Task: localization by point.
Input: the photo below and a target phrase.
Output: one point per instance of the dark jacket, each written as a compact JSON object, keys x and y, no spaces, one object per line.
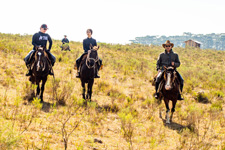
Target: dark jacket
{"x":41,"y":39}
{"x":166,"y":59}
{"x":65,"y":40}
{"x":87,"y":42}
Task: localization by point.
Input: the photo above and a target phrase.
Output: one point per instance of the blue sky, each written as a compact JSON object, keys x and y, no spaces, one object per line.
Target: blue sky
{"x":113,"y":21}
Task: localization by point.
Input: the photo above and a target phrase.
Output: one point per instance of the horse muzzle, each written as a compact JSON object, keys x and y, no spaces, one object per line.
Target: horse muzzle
{"x":168,"y":87}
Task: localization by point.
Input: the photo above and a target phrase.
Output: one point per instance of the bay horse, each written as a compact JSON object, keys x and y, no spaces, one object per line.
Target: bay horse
{"x":169,"y":90}
{"x":40,"y":69}
{"x":88,"y":69}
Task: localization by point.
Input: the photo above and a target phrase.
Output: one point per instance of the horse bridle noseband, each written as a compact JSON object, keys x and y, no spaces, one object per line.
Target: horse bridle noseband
{"x":88,"y":60}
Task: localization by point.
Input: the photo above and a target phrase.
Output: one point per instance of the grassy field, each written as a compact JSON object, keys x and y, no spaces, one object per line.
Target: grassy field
{"x":123,"y":114}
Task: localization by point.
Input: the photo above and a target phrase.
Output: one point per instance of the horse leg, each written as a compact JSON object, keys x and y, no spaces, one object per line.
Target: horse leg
{"x":83,"y":86}
{"x":173,"y":109}
{"x":43,"y":88}
{"x":160,"y":112}
{"x":38,"y":90}
{"x":32,"y":91}
{"x":167,"y":110}
{"x":90,"y":85}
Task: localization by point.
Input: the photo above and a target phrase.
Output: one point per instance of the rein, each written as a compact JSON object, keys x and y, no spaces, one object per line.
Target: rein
{"x":88,"y":60}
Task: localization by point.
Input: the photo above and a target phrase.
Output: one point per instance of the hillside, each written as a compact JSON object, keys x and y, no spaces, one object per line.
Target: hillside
{"x":123,"y":114}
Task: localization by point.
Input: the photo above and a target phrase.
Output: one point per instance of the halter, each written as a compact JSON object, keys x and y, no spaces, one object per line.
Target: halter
{"x":88,"y":60}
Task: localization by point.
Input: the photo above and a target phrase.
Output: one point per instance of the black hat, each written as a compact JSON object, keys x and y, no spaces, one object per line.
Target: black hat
{"x":44,"y":26}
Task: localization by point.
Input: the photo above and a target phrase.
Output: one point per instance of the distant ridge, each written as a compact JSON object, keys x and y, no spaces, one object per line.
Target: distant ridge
{"x":209,"y":41}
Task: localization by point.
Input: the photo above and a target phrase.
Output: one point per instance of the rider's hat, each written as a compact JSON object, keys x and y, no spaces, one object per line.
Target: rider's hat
{"x":167,"y":43}
{"x":44,"y":26}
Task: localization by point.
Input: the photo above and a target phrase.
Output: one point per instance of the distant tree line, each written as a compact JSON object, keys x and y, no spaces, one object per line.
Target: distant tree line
{"x":208,"y":41}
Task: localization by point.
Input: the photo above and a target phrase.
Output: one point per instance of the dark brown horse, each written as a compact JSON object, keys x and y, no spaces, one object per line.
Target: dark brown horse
{"x":87,"y":70}
{"x":40,"y":69}
{"x":169,"y":90}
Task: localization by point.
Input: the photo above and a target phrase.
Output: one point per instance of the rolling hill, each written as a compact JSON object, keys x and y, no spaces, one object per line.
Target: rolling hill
{"x":123,"y":114}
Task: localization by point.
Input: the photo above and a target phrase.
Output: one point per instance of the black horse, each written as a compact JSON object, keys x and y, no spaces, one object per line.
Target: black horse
{"x":40,"y":69}
{"x":88,"y":69}
{"x":169,"y":90}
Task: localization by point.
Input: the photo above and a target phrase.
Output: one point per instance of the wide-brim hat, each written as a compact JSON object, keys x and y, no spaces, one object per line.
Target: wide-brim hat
{"x":166,"y":43}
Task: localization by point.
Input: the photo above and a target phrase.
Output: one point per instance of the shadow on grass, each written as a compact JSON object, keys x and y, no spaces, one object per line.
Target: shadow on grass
{"x":172,"y":125}
{"x":46,"y":106}
{"x":105,"y":108}
{"x":108,"y":108}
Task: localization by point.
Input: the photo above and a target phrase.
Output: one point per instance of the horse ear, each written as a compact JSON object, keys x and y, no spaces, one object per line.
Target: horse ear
{"x":91,"y":47}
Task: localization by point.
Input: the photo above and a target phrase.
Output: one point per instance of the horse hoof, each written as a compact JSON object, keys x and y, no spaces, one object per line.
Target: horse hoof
{"x":167,"y":122}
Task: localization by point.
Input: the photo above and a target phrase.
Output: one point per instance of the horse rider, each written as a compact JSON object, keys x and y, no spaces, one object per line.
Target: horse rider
{"x":65,"y":39}
{"x":86,"y":46}
{"x":166,"y":59}
{"x":40,"y":39}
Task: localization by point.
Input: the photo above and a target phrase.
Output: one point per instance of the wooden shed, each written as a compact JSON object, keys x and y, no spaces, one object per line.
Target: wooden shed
{"x":192,"y":43}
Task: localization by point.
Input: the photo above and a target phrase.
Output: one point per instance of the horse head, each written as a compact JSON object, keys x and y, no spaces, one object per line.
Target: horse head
{"x":92,"y":57}
{"x":170,"y":75}
{"x":39,"y":56}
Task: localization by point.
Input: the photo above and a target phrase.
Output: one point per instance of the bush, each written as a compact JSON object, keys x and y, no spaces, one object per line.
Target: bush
{"x":201,"y":97}
{"x":217,"y":106}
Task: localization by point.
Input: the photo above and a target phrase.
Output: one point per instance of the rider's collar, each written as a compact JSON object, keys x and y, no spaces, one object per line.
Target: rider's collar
{"x":171,"y":51}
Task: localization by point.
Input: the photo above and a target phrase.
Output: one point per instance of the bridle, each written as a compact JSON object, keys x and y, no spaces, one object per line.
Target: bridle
{"x":174,"y":76}
{"x":89,"y":59}
{"x":39,"y":58}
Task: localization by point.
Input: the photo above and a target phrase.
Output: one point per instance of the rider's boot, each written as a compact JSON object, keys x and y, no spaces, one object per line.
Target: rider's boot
{"x":181,"y":89}
{"x":29,"y":73}
{"x":180,"y":98}
{"x":78,"y":75}
{"x":156,"y":89}
{"x":78,"y":68}
{"x":51,"y":70}
{"x":96,"y":74}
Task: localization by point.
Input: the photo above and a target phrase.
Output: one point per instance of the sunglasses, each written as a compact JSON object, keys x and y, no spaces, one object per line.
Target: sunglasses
{"x":167,"y":46}
{"x":45,"y":28}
